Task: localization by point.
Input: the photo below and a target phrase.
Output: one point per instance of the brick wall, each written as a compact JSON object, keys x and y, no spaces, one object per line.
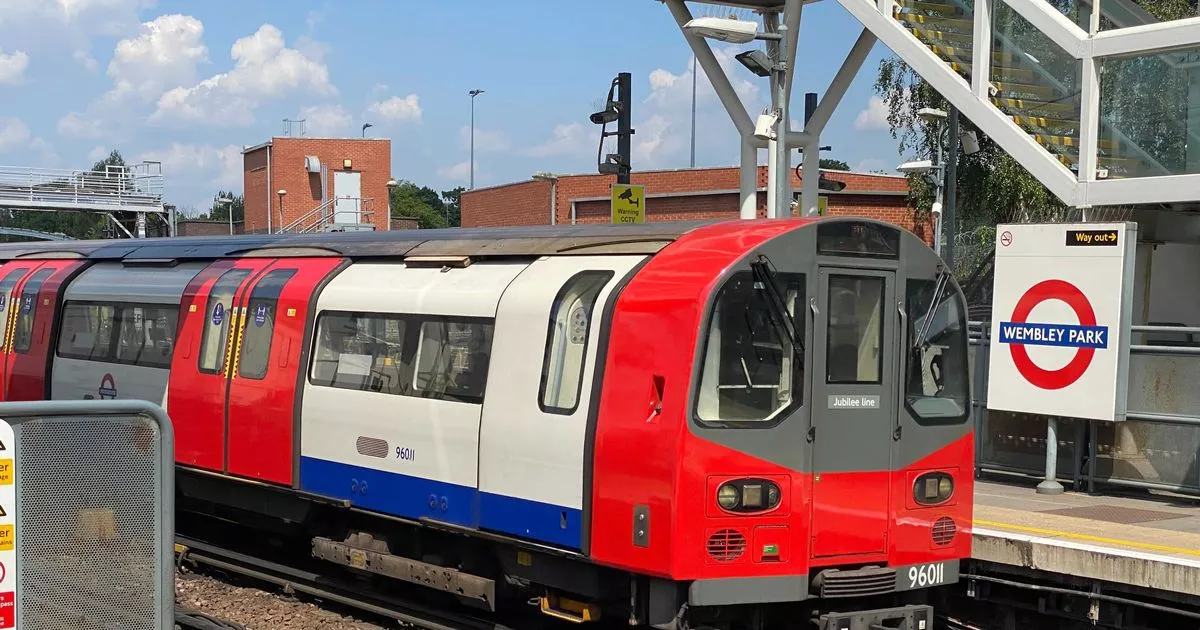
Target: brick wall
{"x":522,"y":203}
{"x":527,"y":203}
{"x":371,"y":157}
{"x":193,"y":227}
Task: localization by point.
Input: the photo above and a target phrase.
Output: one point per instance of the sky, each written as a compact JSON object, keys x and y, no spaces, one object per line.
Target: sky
{"x":189,"y":84}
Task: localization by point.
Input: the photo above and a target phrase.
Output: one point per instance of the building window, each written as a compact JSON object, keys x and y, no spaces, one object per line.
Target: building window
{"x":571,"y":318}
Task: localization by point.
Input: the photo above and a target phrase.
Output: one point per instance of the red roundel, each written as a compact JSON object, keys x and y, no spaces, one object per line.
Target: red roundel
{"x":1068,"y":374}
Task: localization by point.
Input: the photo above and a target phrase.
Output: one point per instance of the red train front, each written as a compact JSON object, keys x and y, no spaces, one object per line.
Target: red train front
{"x":765,"y":422}
{"x":786,"y":417}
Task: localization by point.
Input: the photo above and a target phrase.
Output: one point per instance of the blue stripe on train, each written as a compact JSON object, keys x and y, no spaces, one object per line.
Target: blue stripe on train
{"x":416,"y":497}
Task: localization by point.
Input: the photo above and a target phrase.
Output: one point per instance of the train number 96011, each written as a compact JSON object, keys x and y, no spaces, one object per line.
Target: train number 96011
{"x":926,"y":575}
{"x":405,"y":453}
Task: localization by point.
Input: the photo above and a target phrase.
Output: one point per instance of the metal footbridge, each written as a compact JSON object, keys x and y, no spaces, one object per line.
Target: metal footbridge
{"x":136,"y":189}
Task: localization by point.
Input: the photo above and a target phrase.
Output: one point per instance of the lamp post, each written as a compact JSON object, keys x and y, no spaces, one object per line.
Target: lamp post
{"x":553,"y":179}
{"x":391,"y":185}
{"x":227,"y":203}
{"x":281,"y":193}
{"x":364,"y":129}
{"x":473,"y":94}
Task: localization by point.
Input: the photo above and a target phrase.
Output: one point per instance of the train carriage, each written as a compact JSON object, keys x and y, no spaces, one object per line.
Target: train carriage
{"x":737,"y":424}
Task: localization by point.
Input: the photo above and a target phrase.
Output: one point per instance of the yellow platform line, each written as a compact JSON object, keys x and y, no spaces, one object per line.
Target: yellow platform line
{"x":1090,"y":538}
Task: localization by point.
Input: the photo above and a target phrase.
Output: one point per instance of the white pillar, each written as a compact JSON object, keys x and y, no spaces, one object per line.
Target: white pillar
{"x":748,"y":181}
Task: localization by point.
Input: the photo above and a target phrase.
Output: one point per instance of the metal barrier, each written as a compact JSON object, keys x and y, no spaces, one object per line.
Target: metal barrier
{"x":95,"y":514}
{"x":1157,"y":447}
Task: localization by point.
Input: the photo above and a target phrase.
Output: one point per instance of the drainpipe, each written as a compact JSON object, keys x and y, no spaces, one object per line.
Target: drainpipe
{"x":572,"y":212}
{"x":270,"y":191}
{"x":554,"y":202}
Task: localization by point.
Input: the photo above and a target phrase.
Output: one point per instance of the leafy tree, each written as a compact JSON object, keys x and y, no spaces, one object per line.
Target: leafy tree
{"x":451,"y":200}
{"x":834,"y":165}
{"x":220,"y":211}
{"x":409,"y":201}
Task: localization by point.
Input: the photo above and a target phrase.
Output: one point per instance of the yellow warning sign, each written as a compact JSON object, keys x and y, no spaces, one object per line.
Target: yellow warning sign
{"x":822,"y":205}
{"x":628,"y":203}
{"x":7,"y":539}
{"x":6,"y":472}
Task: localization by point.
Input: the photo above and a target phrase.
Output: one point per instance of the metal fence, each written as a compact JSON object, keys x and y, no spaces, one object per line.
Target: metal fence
{"x":95,"y":514}
{"x":1156,"y":447}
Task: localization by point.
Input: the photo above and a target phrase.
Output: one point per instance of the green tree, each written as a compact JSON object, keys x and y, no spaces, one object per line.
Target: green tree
{"x":834,"y":165}
{"x":220,"y":211}
{"x":409,"y":201}
{"x":452,"y":203}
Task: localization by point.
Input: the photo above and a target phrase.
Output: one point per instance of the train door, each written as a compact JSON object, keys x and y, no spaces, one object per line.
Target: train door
{"x":200,"y":370}
{"x":27,"y":360}
{"x":272,"y":312}
{"x":13,"y":274}
{"x":854,"y":393}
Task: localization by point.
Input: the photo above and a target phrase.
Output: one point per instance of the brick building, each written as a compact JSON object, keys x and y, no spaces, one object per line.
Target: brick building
{"x":343,"y":180}
{"x":677,"y":195}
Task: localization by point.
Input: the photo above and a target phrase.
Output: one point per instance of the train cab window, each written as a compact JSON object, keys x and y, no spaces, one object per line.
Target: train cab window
{"x":752,"y":369}
{"x":566,"y":342}
{"x":218,"y":318}
{"x":452,"y":360}
{"x":855,"y":330}
{"x":23,"y":335}
{"x":260,"y":324}
{"x":937,"y":373}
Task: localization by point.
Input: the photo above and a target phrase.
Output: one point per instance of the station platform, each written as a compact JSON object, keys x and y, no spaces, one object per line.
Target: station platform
{"x":1145,"y":540}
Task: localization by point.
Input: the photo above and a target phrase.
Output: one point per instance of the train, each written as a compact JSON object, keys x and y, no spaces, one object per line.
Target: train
{"x":727,"y":424}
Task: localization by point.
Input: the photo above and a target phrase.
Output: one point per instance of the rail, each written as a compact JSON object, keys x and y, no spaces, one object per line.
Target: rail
{"x":1156,"y":447}
{"x":136,"y":188}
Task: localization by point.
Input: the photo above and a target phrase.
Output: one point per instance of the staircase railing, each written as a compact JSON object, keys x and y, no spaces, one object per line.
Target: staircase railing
{"x":325,"y":215}
{"x":301,"y":223}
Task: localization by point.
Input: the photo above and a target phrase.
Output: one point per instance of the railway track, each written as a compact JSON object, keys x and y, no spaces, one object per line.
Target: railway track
{"x":327,"y":587}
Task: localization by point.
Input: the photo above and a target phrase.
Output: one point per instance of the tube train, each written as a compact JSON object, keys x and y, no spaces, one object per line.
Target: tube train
{"x":732,"y":424}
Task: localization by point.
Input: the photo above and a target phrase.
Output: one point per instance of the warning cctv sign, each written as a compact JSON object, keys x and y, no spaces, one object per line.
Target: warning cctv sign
{"x":1058,"y":312}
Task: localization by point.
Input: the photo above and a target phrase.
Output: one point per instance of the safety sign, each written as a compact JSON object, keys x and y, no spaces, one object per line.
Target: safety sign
{"x":628,"y":203}
{"x":1062,"y":301}
{"x":8,"y":524}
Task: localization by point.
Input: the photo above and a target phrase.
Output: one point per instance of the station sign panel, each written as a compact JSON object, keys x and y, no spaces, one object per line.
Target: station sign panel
{"x":1061,"y":308}
{"x":8,"y":527}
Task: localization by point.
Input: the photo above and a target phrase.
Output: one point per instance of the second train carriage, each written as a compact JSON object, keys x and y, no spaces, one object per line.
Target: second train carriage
{"x":631,"y":417}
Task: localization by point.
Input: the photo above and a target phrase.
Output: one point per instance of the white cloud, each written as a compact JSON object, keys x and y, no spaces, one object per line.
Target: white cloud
{"x":871,"y":164}
{"x":163,"y":55}
{"x":13,"y":134}
{"x":569,"y":139}
{"x":264,"y":69}
{"x":82,"y":126}
{"x":873,"y":117}
{"x":460,"y":172}
{"x":85,"y":59}
{"x":217,"y":167}
{"x":98,"y":153}
{"x":675,"y":90}
{"x":12,"y":67}
{"x":67,"y":26}
{"x":326,"y":120}
{"x":397,"y":109}
{"x":485,"y":141}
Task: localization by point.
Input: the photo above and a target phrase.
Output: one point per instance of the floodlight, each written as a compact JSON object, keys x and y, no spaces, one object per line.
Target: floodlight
{"x":756,"y":61}
{"x":915,"y":167}
{"x":929,"y":113}
{"x":722,"y":29}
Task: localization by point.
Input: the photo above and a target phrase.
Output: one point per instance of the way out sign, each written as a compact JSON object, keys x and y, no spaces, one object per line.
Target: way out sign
{"x":1061,"y":306}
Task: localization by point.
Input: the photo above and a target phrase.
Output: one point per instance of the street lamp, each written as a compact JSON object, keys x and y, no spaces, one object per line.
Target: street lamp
{"x":391,"y":185}
{"x":772,"y":126}
{"x":281,"y":193}
{"x":553,"y":179}
{"x":473,"y":94}
{"x":364,"y":129}
{"x":227,"y":203}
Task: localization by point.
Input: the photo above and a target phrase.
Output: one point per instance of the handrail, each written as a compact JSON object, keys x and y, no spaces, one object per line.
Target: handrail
{"x":324,"y":214}
{"x":308,"y":215}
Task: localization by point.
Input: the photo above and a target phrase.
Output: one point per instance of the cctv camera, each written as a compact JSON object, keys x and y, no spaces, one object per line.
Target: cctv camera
{"x":604,"y":117}
{"x":937,"y":208}
{"x":970,"y":143}
{"x":764,"y":127}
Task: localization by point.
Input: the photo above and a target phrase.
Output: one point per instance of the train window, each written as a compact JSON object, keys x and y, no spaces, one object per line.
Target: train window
{"x":937,"y":374}
{"x":6,"y":286}
{"x":86,"y":331}
{"x":854,"y":339}
{"x":858,"y":239}
{"x":749,"y":374}
{"x":132,"y":335}
{"x":452,"y":359}
{"x":23,"y":335}
{"x":566,"y":342}
{"x":218,"y":318}
{"x":260,"y":324}
{"x":361,"y":351}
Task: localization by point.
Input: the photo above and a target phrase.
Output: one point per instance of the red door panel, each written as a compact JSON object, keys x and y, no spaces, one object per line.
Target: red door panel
{"x":200,"y":368}
{"x":29,"y":344}
{"x":262,"y":390}
{"x":12,"y":274}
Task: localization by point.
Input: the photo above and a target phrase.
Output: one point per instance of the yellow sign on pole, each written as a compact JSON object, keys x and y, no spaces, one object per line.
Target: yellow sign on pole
{"x":822,"y":205}
{"x":628,"y":203}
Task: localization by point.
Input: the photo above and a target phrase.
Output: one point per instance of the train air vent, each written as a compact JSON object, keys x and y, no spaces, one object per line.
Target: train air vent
{"x":855,"y":583}
{"x":726,"y":545}
{"x":943,"y":531}
{"x":371,"y":447}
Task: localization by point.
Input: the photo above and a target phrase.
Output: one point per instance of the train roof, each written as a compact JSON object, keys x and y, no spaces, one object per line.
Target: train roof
{"x":646,"y":238}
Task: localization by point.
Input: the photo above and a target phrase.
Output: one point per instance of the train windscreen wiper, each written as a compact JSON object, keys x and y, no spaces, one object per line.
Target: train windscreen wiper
{"x":939,"y":289}
{"x":764,"y":275}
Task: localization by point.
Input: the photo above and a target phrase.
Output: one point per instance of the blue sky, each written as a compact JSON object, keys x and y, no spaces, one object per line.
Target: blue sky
{"x":191,"y":83}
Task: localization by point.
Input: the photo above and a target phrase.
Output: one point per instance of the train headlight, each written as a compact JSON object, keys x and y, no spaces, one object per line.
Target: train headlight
{"x":933,"y":488}
{"x":727,"y":496}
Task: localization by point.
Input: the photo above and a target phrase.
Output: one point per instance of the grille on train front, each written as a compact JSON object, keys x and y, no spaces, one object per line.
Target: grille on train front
{"x":726,"y":545}
{"x":943,"y":531}
{"x":855,"y":583}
